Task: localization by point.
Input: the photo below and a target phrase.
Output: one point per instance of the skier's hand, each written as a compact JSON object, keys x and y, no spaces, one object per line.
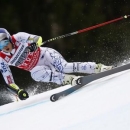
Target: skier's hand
{"x":37,"y":42}
{"x":32,"y":47}
{"x":22,"y":94}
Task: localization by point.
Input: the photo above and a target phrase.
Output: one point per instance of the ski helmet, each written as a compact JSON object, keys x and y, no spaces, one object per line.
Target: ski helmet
{"x":5,"y":38}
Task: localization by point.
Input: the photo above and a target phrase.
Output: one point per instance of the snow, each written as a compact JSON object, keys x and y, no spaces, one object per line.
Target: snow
{"x":101,"y":105}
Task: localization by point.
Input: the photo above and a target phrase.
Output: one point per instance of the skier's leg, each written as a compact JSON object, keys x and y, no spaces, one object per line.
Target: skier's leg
{"x":57,"y":63}
{"x":50,"y":68}
{"x":85,"y":67}
{"x":45,"y":74}
{"x":81,"y":67}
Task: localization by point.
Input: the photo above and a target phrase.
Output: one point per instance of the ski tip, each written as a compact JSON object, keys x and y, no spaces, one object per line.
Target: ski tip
{"x":53,"y":98}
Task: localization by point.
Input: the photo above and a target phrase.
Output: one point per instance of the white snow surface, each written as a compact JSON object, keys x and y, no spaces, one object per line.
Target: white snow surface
{"x":101,"y":105}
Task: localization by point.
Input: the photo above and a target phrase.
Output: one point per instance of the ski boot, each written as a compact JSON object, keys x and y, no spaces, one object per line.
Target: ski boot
{"x":71,"y":79}
{"x":101,"y":68}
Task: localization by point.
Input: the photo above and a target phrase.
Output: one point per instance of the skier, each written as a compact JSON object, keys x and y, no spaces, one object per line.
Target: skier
{"x":45,"y":64}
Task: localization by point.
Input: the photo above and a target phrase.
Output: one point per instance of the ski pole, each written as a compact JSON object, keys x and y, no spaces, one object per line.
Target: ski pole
{"x":86,"y":29}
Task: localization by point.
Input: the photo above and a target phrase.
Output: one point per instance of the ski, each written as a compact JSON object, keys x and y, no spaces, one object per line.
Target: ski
{"x":87,"y":79}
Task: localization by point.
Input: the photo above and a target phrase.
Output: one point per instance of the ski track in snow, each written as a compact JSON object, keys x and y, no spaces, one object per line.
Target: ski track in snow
{"x":103,"y":104}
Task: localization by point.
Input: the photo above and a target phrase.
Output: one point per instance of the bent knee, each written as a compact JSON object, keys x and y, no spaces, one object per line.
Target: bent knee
{"x":41,"y":73}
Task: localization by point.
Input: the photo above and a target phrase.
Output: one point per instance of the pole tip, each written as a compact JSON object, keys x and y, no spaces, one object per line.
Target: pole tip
{"x":125,"y":16}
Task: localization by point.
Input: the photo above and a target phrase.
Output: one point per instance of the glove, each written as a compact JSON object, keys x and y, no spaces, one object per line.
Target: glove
{"x":37,"y":42}
{"x":32,"y":47}
{"x":22,"y":94}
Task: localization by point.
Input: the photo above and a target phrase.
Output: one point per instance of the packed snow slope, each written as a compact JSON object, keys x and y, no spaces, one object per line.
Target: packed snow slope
{"x":101,"y":105}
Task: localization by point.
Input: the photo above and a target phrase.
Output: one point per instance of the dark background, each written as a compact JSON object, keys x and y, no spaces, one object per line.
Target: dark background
{"x":109,"y":44}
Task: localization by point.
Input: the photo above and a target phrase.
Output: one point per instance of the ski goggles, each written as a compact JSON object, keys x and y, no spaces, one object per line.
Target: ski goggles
{"x":4,"y":43}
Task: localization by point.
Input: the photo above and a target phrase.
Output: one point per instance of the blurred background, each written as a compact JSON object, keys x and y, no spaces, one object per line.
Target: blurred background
{"x":109,"y":44}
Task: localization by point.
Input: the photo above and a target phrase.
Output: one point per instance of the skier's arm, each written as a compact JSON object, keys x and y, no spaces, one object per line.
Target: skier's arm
{"x":33,"y":41}
{"x":11,"y":86}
